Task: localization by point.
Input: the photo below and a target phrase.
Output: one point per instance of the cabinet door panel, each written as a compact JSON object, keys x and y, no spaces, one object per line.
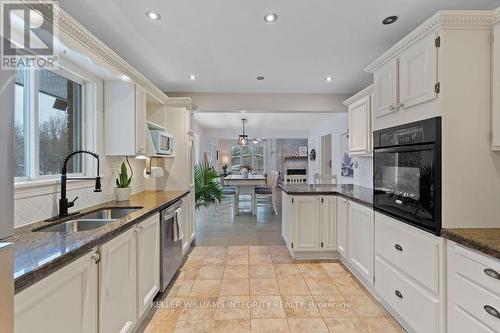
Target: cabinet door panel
{"x":360,"y":126}
{"x":418,"y":73}
{"x":306,"y":223}
{"x":148,"y":262}
{"x":118,"y":291}
{"x":385,"y":89}
{"x":140,"y":118}
{"x":360,"y":240}
{"x":329,"y":222}
{"x":342,"y":218}
{"x":65,"y":301}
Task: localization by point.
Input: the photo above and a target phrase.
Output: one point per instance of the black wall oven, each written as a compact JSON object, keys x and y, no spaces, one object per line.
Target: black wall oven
{"x":407,"y":173}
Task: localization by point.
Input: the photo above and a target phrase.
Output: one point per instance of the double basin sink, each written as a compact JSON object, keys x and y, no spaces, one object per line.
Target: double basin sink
{"x":90,"y":221}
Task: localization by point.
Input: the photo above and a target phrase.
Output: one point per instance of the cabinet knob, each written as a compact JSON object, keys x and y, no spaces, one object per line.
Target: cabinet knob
{"x":399,"y":294}
{"x":96,"y":256}
{"x":492,"y":273}
{"x":398,"y":247}
{"x":492,"y":311}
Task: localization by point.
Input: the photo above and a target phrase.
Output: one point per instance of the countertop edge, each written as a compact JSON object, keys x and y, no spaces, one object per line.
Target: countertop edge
{"x":330,"y":192}
{"x":28,"y":279}
{"x":470,"y":243}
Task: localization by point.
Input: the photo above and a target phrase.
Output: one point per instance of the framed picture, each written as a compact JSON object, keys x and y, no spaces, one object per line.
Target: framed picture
{"x":346,"y":163}
{"x":303,"y":151}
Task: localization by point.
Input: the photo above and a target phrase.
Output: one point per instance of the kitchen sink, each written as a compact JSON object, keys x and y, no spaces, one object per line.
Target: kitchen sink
{"x":90,"y":221}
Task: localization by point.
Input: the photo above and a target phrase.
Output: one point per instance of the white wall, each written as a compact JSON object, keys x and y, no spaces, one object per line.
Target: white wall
{"x":37,"y":203}
{"x":363,"y":174}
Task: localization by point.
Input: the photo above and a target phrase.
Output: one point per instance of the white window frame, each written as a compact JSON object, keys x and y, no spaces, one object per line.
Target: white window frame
{"x":31,"y":106}
{"x":253,"y":155}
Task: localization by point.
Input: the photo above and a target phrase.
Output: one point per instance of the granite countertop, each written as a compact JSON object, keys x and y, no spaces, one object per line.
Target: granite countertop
{"x":39,"y":254}
{"x":485,"y":240}
{"x":360,"y":194}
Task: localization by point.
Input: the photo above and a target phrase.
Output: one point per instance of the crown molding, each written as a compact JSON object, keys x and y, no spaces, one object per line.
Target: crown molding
{"x":73,"y":29}
{"x":442,"y":20}
{"x":186,"y":102}
{"x":367,"y":91}
{"x":496,"y":16}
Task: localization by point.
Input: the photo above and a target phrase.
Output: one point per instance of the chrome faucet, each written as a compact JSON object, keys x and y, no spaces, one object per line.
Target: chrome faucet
{"x":64,"y":204}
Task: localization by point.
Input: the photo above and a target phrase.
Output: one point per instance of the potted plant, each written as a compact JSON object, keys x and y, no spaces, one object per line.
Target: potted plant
{"x":245,"y":170}
{"x":206,"y":184}
{"x":224,"y":170}
{"x":122,"y":189}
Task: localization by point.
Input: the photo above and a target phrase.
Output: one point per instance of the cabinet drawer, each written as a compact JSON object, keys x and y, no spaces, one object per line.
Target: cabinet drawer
{"x":413,"y":251}
{"x":418,"y":309}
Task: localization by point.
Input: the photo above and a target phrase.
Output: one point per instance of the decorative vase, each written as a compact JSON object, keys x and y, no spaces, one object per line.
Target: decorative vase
{"x":122,"y":194}
{"x":244,"y":172}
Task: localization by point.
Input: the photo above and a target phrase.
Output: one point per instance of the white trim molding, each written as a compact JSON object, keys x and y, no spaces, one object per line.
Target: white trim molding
{"x":367,"y":91}
{"x":444,"y":19}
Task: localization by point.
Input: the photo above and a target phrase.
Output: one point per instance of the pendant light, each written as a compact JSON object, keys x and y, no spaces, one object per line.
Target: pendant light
{"x":243,"y":138}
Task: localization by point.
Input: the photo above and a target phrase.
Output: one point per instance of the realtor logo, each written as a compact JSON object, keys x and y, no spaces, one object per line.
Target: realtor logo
{"x":28,"y":34}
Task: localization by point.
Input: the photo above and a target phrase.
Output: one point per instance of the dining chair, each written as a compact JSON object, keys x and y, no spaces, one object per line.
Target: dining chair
{"x":325,"y":179}
{"x":295,"y":179}
{"x":269,"y":191}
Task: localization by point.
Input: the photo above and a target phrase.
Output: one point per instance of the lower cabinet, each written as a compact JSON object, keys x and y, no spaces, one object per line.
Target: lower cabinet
{"x":360,"y":241}
{"x":187,"y":221}
{"x":65,"y":301}
{"x":342,"y":218}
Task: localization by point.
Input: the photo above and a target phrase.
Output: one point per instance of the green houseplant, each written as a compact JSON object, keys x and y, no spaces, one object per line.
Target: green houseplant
{"x":207,"y":186}
{"x":122,"y":189}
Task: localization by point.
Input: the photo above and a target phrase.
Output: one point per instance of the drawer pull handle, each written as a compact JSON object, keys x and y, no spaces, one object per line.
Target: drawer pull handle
{"x":492,"y":311}
{"x":398,"y":247}
{"x":398,"y":293}
{"x":492,"y":273}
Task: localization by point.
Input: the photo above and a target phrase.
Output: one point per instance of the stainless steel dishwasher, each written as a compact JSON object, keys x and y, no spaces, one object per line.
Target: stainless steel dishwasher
{"x":171,"y":235}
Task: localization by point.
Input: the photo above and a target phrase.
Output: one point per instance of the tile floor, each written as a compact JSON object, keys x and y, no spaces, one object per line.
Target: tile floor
{"x":262,"y":289}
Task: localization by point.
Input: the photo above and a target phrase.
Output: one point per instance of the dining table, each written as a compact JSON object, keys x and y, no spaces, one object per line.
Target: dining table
{"x":245,"y":185}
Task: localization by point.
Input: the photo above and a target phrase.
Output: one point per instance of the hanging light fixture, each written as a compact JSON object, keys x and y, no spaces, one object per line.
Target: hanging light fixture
{"x":243,"y":138}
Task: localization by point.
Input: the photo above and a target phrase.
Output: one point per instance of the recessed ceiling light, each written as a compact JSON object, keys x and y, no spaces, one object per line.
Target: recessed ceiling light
{"x":329,"y":79}
{"x":260,"y":78}
{"x":153,"y":15}
{"x":389,"y":20}
{"x":192,"y":77}
{"x":270,"y":18}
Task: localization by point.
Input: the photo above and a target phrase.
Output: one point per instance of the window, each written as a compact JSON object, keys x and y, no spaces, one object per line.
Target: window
{"x":251,"y":156}
{"x":48,"y":123}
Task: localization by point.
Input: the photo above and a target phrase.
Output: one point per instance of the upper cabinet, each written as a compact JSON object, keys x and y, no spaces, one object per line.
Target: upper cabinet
{"x":495,"y":117}
{"x":360,"y":122}
{"x":125,"y":118}
{"x":408,"y":79}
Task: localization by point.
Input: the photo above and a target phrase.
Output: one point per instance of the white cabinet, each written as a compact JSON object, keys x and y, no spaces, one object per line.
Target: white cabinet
{"x":118,"y":284}
{"x":65,"y":301}
{"x":360,"y":122}
{"x":148,"y":263}
{"x":187,"y":221}
{"x":328,"y":215}
{"x":342,"y":219}
{"x":495,"y":116}
{"x":124,"y":118}
{"x":306,"y":223}
{"x":473,"y":291}
{"x":407,"y":80}
{"x":360,"y":241}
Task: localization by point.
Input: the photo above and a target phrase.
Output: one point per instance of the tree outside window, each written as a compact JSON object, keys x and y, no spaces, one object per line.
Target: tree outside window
{"x":251,"y":156}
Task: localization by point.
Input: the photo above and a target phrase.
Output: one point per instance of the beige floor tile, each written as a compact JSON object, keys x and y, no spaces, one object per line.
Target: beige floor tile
{"x":294,"y":286}
{"x":321,"y":286}
{"x":235,"y":287}
{"x":188,"y":273}
{"x":269,"y":326}
{"x":380,"y":324}
{"x":300,"y":306}
{"x":335,"y":270}
{"x":217,"y":251}
{"x":210,"y":272}
{"x":205,"y":288}
{"x":278,"y":250}
{"x":195,"y":326}
{"x":232,"y":326}
{"x":236,"y":272}
{"x":233,"y":307}
{"x":214,"y":261}
{"x":307,"y":325}
{"x":348,"y":286}
{"x":260,"y":259}
{"x":312,"y":270}
{"x":237,"y":250}
{"x":237,"y":260}
{"x":346,"y":325}
{"x":181,"y":288}
{"x":258,"y":250}
{"x":266,"y":307}
{"x":199,"y":251}
{"x":262,"y":272}
{"x":194,"y":261}
{"x":287,"y":271}
{"x":334,"y":306}
{"x":199,"y":309}
{"x":281,"y":259}
{"x":363,"y":306}
{"x":160,"y":327}
{"x":264,"y":287}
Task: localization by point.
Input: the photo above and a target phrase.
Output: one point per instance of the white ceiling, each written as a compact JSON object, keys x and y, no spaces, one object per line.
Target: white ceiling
{"x":260,"y":124}
{"x":227,"y":44}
